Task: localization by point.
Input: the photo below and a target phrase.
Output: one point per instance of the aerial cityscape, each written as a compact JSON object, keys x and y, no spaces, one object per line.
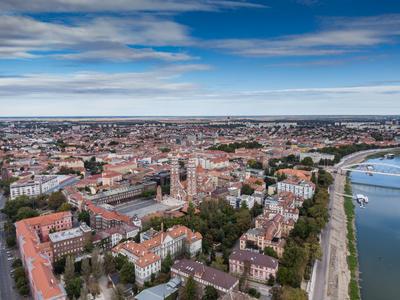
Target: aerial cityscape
{"x":199,"y":150}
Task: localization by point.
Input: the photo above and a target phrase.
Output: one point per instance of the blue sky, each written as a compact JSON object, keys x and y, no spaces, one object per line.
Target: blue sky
{"x":199,"y":57}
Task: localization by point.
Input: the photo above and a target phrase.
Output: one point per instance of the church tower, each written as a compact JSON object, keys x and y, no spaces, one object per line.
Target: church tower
{"x":191,"y":179}
{"x":175,"y":183}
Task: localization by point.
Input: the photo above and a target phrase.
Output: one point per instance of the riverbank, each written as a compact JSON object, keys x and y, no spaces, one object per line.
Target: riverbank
{"x":352,"y":257}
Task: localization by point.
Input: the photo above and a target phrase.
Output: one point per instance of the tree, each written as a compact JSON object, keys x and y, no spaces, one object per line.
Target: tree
{"x":307,"y":161}
{"x":65,"y":207}
{"x":270,"y":252}
{"x":96,"y":264}
{"x":56,"y":199}
{"x":108,"y":262}
{"x":26,"y":212}
{"x":167,"y":264}
{"x":73,"y":287}
{"x":247,"y":190}
{"x":190,"y":290}
{"x":93,"y":286}
{"x":219,"y":264}
{"x":120,"y":261}
{"x":84,"y":216}
{"x":127,"y":273}
{"x":210,"y":293}
{"x":287,"y":292}
{"x":69,"y":272}
{"x":118,"y":293}
{"x":271,"y":280}
{"x":85,"y":269}
{"x":84,"y":292}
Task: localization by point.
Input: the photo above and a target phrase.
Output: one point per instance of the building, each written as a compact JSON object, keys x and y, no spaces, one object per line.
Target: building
{"x":298,"y":187}
{"x":122,"y":194}
{"x":162,"y":291}
{"x":177,"y":190}
{"x":191,"y":179}
{"x":70,"y":242}
{"x":36,"y":255}
{"x":237,"y":202}
{"x":260,"y":267}
{"x":316,"y":156}
{"x":110,"y":237}
{"x":204,"y":275}
{"x":146,"y":262}
{"x":155,"y":246}
{"x":34,"y":187}
{"x":101,"y":218}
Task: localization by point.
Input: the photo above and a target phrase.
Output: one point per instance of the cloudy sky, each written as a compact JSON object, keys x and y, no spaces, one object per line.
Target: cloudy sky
{"x":199,"y":57}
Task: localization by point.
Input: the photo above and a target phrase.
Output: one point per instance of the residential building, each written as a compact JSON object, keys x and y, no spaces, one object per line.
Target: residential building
{"x":34,"y":187}
{"x":299,"y":187}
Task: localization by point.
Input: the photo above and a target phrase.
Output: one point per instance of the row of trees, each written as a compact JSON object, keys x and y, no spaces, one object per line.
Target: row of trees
{"x":230,"y":148}
{"x":21,"y":281}
{"x":344,"y":150}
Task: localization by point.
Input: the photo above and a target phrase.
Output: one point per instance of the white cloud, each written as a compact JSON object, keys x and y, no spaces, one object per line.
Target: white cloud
{"x":162,"y":92}
{"x":337,"y":36}
{"x":121,"y":5}
{"x":98,"y":38}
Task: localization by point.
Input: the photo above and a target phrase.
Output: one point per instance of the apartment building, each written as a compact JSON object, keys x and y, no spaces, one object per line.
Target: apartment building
{"x":260,"y":267}
{"x":34,"y":187}
{"x":298,"y":187}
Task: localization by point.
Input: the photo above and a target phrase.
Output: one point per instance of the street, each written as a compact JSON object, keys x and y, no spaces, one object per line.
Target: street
{"x":6,"y":282}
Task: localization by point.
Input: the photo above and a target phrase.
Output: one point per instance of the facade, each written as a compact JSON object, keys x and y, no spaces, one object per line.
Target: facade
{"x":316,"y":156}
{"x":122,"y":194}
{"x":101,"y":218}
{"x":69,"y":242}
{"x":298,"y":187}
{"x":155,"y":246}
{"x":146,"y":262}
{"x":260,"y":267}
{"x":236,"y":202}
{"x":34,"y":187}
{"x":36,"y":255}
{"x":204,"y":275}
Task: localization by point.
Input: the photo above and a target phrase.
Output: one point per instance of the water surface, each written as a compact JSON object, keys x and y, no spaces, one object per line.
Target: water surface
{"x":378,"y":233}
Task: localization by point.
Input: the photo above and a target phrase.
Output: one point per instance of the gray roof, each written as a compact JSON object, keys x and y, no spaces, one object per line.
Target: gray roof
{"x":208,"y":274}
{"x":254,"y":258}
{"x":160,"y":291}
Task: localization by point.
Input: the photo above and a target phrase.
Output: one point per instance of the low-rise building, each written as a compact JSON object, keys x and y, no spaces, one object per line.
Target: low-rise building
{"x":260,"y":267}
{"x":204,"y":275}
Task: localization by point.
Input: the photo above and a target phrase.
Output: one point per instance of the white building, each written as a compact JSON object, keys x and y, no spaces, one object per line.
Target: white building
{"x":41,"y":184}
{"x":316,"y":156}
{"x":236,"y":202}
{"x":298,"y":187}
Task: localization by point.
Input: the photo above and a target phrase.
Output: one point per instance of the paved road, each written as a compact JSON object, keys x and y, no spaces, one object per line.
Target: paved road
{"x":140,"y":207}
{"x":6,"y":282}
{"x":322,"y":267}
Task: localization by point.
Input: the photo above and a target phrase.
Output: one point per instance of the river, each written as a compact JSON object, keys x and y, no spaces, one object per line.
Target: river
{"x":378,"y":233}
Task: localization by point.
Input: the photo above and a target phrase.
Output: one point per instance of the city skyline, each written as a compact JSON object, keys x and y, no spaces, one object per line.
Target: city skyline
{"x":199,"y":58}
